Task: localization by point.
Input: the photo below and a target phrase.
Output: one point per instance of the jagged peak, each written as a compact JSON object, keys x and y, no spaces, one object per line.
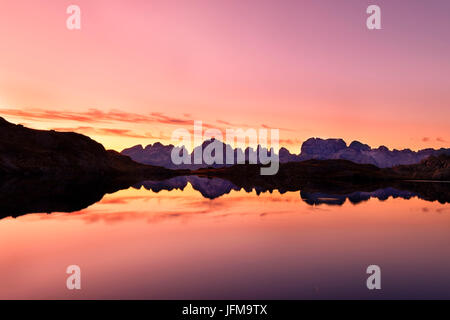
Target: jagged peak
{"x":359,"y":146}
{"x":383,"y":148}
{"x":137,"y":147}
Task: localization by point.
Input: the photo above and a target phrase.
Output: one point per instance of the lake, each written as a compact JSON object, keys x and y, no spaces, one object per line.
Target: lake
{"x":206,"y":239}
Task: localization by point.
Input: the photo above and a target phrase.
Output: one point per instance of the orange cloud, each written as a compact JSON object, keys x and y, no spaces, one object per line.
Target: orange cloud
{"x":291,"y":142}
{"x":90,"y":116}
{"x":438,"y":139}
{"x":112,"y":132}
{"x":97,"y":116}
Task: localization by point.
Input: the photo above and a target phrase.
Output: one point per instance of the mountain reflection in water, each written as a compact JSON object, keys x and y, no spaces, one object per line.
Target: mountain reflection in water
{"x":23,"y":196}
{"x":199,"y":238}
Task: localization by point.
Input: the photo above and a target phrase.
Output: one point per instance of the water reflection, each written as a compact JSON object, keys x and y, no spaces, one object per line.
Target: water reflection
{"x":166,"y":240}
{"x":22,"y":196}
{"x":355,"y":197}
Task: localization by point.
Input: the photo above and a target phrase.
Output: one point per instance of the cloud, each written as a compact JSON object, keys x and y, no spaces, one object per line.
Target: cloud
{"x":224,"y":122}
{"x":93,"y":116}
{"x":291,"y":141}
{"x":96,"y":116}
{"x":161,"y":118}
{"x":89,"y":116}
{"x":265,"y":126}
{"x":438,"y":139}
{"x":111,"y":132}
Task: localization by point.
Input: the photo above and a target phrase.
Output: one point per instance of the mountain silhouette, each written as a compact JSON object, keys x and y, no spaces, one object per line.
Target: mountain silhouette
{"x":48,"y":171}
{"x":313,"y":148}
{"x":26,"y":152}
{"x":160,"y":155}
{"x":382,"y":157}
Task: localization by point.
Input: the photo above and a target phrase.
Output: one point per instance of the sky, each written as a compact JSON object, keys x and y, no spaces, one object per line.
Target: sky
{"x":138,"y":70}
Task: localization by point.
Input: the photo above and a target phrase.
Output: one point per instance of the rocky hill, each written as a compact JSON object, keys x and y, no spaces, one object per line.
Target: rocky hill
{"x":25,"y":151}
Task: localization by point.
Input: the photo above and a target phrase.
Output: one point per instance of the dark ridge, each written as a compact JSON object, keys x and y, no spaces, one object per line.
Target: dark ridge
{"x":29,"y":152}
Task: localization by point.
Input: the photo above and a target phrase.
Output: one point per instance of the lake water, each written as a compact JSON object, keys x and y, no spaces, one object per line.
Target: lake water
{"x":179,"y":244}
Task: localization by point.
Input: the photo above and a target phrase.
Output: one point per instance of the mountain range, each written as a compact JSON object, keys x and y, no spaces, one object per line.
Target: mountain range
{"x":25,"y":152}
{"x":47,"y":171}
{"x":313,"y":148}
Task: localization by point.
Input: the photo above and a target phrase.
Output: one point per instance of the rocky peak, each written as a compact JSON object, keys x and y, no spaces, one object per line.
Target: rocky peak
{"x":383,"y":149}
{"x":358,"y":146}
{"x":316,"y":148}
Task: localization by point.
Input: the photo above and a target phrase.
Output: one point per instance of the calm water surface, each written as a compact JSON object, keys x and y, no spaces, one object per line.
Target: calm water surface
{"x":141,"y":244}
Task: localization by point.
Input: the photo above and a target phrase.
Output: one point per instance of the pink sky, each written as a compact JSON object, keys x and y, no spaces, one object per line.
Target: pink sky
{"x":137,"y":70}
